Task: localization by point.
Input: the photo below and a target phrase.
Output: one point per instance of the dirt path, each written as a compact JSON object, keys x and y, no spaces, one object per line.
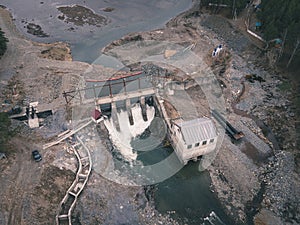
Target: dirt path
{"x":18,"y":176}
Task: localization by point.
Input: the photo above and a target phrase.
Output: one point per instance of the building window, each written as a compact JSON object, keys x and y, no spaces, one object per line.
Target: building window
{"x":204,"y":142}
{"x":211,"y":141}
{"x":197,"y":144}
{"x":189,"y":146}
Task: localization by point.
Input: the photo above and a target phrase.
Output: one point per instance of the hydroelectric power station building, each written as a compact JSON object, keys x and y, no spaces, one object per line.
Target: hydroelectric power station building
{"x":191,"y":136}
{"x":192,"y":139}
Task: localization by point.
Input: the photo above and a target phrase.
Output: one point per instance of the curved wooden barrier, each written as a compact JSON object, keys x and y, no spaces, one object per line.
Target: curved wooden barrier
{"x":67,"y":204}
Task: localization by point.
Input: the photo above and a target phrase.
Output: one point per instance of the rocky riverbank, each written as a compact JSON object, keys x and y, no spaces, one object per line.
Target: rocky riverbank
{"x":267,"y":100}
{"x":245,"y":175}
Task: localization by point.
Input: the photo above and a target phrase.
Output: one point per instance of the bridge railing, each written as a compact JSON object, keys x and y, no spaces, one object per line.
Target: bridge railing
{"x":114,"y":86}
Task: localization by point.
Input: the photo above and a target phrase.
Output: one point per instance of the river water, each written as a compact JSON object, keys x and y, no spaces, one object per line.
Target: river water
{"x":188,"y":196}
{"x":87,"y":41}
{"x":188,"y":192}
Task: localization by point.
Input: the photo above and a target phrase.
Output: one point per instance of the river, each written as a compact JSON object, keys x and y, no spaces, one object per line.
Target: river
{"x":87,"y":41}
{"x":188,"y":198}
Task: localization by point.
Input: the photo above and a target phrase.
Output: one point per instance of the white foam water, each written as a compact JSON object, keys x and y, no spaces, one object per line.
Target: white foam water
{"x":213,"y":219}
{"x":122,"y":139}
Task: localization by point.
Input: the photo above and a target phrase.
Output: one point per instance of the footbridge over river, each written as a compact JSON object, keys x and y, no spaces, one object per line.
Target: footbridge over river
{"x":116,"y":89}
{"x":131,"y":86}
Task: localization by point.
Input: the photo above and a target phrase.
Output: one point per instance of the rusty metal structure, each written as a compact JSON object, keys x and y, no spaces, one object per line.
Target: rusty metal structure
{"x":117,"y":88}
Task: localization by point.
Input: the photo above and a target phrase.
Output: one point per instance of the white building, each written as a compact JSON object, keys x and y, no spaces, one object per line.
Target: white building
{"x":193,"y":138}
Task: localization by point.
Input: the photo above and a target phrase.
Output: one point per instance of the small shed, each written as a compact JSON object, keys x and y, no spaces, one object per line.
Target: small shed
{"x":96,"y":115}
{"x":193,"y":138}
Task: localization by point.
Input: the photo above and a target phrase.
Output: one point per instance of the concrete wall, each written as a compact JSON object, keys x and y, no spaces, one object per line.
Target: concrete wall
{"x":183,"y":152}
{"x":175,"y":137}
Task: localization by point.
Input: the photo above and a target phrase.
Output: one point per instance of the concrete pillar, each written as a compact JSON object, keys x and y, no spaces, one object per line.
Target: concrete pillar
{"x":144,"y":108}
{"x":206,"y":160}
{"x":128,"y":109}
{"x":114,"y":116}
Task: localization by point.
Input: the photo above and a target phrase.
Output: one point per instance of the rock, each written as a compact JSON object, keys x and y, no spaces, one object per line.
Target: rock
{"x":169,"y":53}
{"x":36,"y":30}
{"x":108,"y":9}
{"x":266,"y":217}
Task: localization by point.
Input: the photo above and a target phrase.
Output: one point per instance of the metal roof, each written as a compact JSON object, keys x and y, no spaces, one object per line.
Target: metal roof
{"x":197,"y":130}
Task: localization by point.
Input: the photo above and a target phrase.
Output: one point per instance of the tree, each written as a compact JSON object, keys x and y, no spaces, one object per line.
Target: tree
{"x":278,"y":15}
{"x":3,"y":41}
{"x":281,"y":19}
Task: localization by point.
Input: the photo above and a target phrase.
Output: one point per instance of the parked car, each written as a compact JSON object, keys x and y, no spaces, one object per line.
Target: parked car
{"x":36,"y":156}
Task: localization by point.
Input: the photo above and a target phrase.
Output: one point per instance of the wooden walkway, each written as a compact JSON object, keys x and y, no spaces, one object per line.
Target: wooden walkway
{"x":64,"y":215}
{"x":124,"y":96}
{"x":117,"y":88}
{"x":66,"y":135}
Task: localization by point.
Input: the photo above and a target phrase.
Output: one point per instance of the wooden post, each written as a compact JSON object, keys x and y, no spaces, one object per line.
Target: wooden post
{"x":139,"y":79}
{"x":124,"y":85}
{"x":110,"y":90}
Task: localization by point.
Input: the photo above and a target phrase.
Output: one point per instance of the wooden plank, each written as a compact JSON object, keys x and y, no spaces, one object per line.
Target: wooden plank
{"x":123,"y":96}
{"x":63,"y":133}
{"x":66,"y":136}
{"x":63,"y":216}
{"x":218,"y":5}
{"x":255,"y":35}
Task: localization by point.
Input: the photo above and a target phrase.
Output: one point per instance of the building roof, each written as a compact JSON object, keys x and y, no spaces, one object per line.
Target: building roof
{"x":197,"y":130}
{"x":96,"y":114}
